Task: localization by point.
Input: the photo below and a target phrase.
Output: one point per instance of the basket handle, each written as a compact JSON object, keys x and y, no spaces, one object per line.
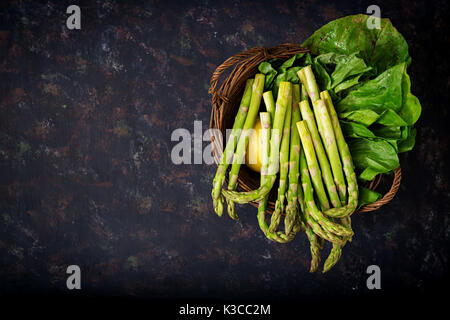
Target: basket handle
{"x":388,"y":196}
{"x":218,"y":99}
{"x":266,"y":53}
{"x":228,"y":63}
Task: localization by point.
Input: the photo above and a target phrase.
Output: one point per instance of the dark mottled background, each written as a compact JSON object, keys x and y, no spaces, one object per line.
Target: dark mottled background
{"x":86,"y":118}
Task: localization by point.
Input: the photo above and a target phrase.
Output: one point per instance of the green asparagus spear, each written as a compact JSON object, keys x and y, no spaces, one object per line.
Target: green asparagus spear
{"x":227,"y":155}
{"x":314,"y":171}
{"x":313,"y":166}
{"x":308,"y":79}
{"x":300,"y":195}
{"x":311,"y":209}
{"x":265,"y":141}
{"x":238,"y":158}
{"x":284,"y":92}
{"x":270,"y":103}
{"x":323,"y":115}
{"x":278,"y":236}
{"x":327,"y":176}
{"x":320,"y":231}
{"x":335,"y":254}
{"x":347,"y":163}
{"x":284,"y":168}
{"x":294,"y":161}
{"x":303,"y":93}
{"x":351,"y":179}
{"x":262,"y":206}
{"x":314,"y":247}
{"x":331,"y":147}
{"x":303,"y":96}
{"x":336,"y":250}
{"x":315,"y":242}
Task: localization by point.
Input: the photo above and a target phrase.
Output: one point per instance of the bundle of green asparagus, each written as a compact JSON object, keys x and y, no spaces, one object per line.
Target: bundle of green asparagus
{"x":300,"y":145}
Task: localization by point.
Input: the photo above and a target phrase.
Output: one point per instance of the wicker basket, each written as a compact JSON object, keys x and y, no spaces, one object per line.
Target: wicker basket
{"x":225,"y":103}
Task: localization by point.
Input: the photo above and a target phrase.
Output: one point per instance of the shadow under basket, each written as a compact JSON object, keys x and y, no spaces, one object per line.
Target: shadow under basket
{"x":225,"y":104}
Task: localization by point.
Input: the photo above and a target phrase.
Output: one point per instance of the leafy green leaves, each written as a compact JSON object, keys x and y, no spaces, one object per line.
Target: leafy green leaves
{"x":367,"y":196}
{"x":364,"y":71}
{"x":408,"y":143}
{"x":355,"y":130}
{"x":379,"y":48}
{"x":267,"y":69}
{"x":372,"y":156}
{"x":349,"y":67}
{"x":411,"y":108}
{"x":388,"y":95}
{"x":363,"y":116}
{"x":286,"y":71}
{"x":382,"y":93}
{"x":386,"y":106}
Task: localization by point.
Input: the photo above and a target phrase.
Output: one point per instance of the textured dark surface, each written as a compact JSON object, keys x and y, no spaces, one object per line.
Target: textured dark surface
{"x":86,"y":118}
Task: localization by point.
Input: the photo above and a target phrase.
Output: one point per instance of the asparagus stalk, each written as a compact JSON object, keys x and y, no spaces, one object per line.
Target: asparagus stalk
{"x":262,"y":206}
{"x":284,"y":168}
{"x":336,"y":250}
{"x":325,"y":124}
{"x":347,"y":163}
{"x":334,"y":256}
{"x":303,"y":93}
{"x":227,"y":155}
{"x":311,"y":209}
{"x":270,"y":103}
{"x":254,"y":195}
{"x":327,"y":176}
{"x":351,"y":179}
{"x":320,"y":231}
{"x":265,"y":136}
{"x":300,"y":195}
{"x":294,"y":161}
{"x":331,"y":147}
{"x":265,"y":141}
{"x":238,"y":158}
{"x":315,"y":242}
{"x":278,"y":236}
{"x":308,"y":79}
{"x":284,"y":92}
{"x":303,"y":96}
{"x":314,"y":247}
{"x":317,"y":182}
{"x":313,"y":165}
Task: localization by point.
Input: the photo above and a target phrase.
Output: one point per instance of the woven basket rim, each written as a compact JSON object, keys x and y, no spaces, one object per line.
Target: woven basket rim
{"x":232,"y":86}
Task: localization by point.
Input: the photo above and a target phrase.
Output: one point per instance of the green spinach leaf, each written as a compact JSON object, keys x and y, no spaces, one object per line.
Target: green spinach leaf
{"x":373,"y":156}
{"x":380,"y":48}
{"x":367,"y":196}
